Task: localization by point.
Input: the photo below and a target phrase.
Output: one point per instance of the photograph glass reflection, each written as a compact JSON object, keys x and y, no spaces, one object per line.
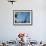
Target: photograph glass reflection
{"x":22,"y":17}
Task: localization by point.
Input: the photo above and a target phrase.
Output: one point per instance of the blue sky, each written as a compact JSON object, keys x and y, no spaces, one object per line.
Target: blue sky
{"x":22,"y":16}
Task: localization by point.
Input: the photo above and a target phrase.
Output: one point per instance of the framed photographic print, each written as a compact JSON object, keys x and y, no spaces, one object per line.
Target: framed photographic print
{"x":22,"y":17}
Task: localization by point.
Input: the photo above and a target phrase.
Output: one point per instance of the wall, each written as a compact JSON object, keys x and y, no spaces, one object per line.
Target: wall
{"x":37,"y":31}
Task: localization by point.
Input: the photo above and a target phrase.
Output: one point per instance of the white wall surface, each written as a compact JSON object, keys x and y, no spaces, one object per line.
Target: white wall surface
{"x":9,"y":32}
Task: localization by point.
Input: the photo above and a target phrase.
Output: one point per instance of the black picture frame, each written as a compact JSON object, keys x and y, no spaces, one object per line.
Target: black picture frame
{"x":19,"y":14}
